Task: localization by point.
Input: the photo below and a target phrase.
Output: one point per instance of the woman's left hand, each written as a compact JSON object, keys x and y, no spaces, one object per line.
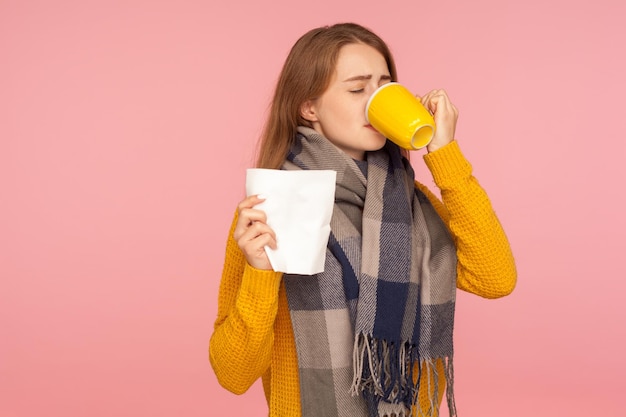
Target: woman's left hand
{"x":445,"y":115}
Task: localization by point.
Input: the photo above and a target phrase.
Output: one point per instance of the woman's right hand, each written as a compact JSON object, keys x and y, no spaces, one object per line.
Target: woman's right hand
{"x":252,"y":233}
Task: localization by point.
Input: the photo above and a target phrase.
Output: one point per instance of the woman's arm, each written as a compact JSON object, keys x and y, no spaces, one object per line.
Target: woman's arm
{"x":485,"y":262}
{"x":241,"y":345}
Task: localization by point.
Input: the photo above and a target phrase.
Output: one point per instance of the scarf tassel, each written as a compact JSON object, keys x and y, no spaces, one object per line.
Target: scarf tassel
{"x":384,"y":373}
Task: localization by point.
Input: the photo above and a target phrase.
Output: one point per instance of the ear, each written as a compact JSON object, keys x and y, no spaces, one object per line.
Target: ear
{"x":307,"y":111}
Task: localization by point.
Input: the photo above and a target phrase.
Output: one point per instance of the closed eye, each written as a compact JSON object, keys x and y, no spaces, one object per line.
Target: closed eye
{"x":360,"y":90}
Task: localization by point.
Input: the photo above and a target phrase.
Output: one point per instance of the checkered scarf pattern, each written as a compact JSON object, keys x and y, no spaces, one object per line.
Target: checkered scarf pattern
{"x":385,"y":300}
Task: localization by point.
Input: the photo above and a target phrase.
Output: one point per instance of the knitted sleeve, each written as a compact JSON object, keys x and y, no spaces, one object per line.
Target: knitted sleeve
{"x":485,"y":262}
{"x":241,"y":344}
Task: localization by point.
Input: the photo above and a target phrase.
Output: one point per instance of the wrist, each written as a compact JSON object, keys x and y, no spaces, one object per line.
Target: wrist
{"x":434,"y":146}
{"x":448,"y":165}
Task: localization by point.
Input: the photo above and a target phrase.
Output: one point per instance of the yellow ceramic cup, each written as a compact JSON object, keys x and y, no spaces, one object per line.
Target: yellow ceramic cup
{"x":396,"y":113}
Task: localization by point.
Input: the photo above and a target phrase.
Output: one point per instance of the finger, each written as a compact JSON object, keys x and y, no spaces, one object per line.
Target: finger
{"x":431,"y":103}
{"x":254,"y":231}
{"x":430,"y":100}
{"x":255,"y":247}
{"x":442,"y":105}
{"x":250,"y":215}
{"x":266,"y":239}
{"x":250,"y":202}
{"x":444,"y":99}
{"x":247,"y":218}
{"x":426,"y":97}
{"x":438,"y":102}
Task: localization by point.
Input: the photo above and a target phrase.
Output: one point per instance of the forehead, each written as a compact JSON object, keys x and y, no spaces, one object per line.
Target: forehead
{"x":360,"y":59}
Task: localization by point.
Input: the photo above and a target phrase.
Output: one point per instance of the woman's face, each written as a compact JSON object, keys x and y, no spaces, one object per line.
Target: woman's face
{"x":339,"y":113}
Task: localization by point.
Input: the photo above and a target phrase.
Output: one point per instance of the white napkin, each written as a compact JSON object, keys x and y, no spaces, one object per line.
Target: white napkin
{"x":298,"y":205}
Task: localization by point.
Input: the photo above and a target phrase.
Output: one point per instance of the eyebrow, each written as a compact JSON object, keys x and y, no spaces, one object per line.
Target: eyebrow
{"x":365,"y":77}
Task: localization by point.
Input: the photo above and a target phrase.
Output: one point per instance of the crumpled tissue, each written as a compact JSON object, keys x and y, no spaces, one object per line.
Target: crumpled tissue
{"x":298,"y":206}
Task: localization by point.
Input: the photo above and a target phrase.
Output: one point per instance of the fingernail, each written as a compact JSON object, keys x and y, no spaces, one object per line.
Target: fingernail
{"x":261,"y":196}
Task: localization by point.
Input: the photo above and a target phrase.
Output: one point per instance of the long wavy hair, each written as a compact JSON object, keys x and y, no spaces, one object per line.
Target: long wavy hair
{"x":306,"y":74}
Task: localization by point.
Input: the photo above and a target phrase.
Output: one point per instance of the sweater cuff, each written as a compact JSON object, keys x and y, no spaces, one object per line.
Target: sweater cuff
{"x":260,"y":283}
{"x":448,"y":165}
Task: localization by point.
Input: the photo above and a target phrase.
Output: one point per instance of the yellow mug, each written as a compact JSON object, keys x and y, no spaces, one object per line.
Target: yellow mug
{"x":400,"y":116}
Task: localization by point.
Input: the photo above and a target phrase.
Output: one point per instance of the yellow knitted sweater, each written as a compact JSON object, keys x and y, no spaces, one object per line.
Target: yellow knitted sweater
{"x":253,"y":336}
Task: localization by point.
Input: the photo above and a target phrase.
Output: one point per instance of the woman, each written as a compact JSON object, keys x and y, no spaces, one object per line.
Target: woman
{"x":372,"y":334}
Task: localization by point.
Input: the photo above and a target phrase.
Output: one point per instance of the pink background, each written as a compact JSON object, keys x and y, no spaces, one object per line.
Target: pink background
{"x":125,"y":131}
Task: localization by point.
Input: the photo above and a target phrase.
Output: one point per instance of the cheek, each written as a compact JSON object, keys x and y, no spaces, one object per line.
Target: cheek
{"x":362,"y":108}
{"x":354,"y":111}
{"x":342,"y":112}
{"x":359,"y":114}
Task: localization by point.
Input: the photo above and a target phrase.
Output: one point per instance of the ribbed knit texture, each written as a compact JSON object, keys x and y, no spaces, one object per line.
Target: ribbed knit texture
{"x":253,"y":335}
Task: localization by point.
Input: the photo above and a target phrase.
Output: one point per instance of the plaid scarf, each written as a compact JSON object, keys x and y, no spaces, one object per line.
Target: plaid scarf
{"x":385,"y":300}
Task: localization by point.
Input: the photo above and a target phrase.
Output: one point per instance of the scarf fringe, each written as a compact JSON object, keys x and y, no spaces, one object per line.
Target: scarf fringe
{"x":386,"y":372}
{"x":449,"y":370}
{"x":392,"y":410}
